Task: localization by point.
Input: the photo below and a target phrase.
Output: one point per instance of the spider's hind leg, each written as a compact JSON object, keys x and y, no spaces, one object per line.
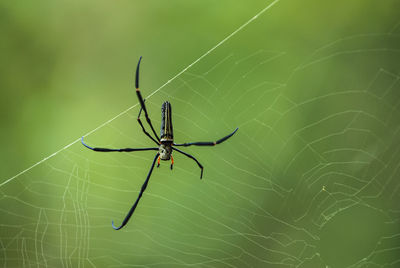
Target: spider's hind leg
{"x":142,"y":105}
{"x":141,"y":124}
{"x":172,"y":162}
{"x":158,"y":162}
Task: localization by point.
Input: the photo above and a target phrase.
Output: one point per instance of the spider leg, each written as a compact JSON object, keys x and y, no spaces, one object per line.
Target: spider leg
{"x":128,"y":216}
{"x":117,"y":150}
{"x":172,"y":162}
{"x":192,"y":157}
{"x":208,"y":143}
{"x":141,"y":124}
{"x":143,"y":106}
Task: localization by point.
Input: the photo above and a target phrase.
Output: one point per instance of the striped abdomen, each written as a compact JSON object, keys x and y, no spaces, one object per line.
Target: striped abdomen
{"x":167,"y":133}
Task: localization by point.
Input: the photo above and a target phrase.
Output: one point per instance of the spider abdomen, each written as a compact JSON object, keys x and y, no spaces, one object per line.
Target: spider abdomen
{"x":167,"y":133}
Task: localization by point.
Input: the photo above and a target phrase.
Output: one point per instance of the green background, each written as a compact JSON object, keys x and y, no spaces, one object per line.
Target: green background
{"x":311,"y":179}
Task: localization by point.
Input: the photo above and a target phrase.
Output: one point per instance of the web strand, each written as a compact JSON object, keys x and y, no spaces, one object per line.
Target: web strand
{"x":151,"y":94}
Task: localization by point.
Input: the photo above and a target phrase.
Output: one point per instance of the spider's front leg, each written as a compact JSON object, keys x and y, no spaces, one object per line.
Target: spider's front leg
{"x":202,"y":143}
{"x":192,"y":157}
{"x":144,"y":186}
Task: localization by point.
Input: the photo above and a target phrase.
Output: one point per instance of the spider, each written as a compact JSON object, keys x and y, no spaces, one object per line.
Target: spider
{"x":165,"y":143}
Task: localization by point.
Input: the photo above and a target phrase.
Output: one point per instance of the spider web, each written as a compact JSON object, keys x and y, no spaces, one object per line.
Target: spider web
{"x":309,"y":180}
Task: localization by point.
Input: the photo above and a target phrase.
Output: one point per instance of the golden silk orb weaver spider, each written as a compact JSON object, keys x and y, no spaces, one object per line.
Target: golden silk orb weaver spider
{"x":165,"y":143}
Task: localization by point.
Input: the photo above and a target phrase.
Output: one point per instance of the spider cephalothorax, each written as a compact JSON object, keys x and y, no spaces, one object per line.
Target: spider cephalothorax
{"x":165,"y":143}
{"x":165,"y":151}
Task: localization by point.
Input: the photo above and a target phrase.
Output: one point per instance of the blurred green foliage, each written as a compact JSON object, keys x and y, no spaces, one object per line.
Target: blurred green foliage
{"x":309,"y":180}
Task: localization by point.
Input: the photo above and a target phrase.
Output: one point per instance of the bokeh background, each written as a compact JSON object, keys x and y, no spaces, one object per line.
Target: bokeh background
{"x":311,"y":179}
